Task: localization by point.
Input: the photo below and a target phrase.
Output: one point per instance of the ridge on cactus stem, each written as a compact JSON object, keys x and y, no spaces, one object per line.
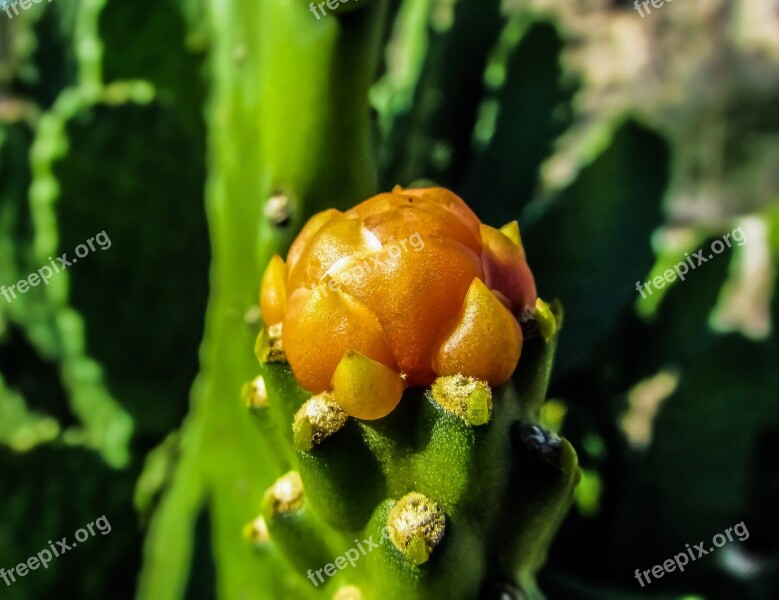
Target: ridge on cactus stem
{"x":403,"y":288}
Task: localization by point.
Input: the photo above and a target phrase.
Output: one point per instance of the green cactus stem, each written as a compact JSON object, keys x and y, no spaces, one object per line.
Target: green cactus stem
{"x":459,"y":488}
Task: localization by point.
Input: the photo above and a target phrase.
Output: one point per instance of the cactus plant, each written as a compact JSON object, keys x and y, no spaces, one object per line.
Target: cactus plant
{"x":102,"y":106}
{"x":455,"y":483}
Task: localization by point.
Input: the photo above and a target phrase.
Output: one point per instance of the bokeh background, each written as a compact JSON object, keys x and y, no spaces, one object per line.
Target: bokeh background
{"x":620,"y":142}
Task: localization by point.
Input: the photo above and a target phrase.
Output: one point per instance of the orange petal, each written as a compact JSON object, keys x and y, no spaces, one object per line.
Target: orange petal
{"x":484,"y":342}
{"x":445,"y":199}
{"x":506,"y":269}
{"x":364,"y":388}
{"x":340,"y":238}
{"x":273,"y":292}
{"x":323,"y":324}
{"x":311,"y":227}
{"x":414,"y":294}
{"x":398,"y":216}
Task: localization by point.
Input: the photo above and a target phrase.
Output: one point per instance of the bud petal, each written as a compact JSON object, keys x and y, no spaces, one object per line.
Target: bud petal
{"x":506,"y":270}
{"x":484,"y":342}
{"x":321,"y":326}
{"x":340,"y":238}
{"x":364,"y":388}
{"x":310,"y":229}
{"x":273,"y":294}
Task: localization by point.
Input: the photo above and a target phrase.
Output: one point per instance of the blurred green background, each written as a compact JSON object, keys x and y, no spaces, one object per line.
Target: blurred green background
{"x":620,"y":142}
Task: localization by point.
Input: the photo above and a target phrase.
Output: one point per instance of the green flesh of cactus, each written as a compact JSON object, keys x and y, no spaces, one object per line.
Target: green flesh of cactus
{"x":502,"y":487}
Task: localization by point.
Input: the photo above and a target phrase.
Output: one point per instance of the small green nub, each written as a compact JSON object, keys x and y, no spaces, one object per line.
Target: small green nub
{"x":349,"y":592}
{"x":269,"y":348}
{"x":277,"y":209}
{"x":285,"y":495}
{"x":256,"y":531}
{"x":467,"y":397}
{"x":319,"y":418}
{"x":416,"y":526}
{"x":255,"y":394}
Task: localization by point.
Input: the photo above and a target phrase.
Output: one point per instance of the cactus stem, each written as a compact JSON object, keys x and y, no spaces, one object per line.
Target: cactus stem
{"x":255,"y":394}
{"x":349,"y":592}
{"x":319,"y":418}
{"x":286,"y":494}
{"x":257,"y":531}
{"x":467,"y":397}
{"x":416,"y":525}
{"x":269,"y":347}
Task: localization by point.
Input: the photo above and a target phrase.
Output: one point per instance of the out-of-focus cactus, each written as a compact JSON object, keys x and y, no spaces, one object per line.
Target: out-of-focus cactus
{"x":456,"y":483}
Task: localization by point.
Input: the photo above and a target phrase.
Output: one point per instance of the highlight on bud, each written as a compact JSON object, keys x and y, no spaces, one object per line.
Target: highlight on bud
{"x":416,"y":525}
{"x":405,"y":287}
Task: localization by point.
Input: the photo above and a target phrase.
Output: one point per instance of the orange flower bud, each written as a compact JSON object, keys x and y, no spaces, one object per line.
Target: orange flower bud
{"x":411,"y":283}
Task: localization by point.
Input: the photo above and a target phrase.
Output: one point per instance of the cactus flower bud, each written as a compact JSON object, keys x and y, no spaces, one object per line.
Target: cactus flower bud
{"x":403,"y":288}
